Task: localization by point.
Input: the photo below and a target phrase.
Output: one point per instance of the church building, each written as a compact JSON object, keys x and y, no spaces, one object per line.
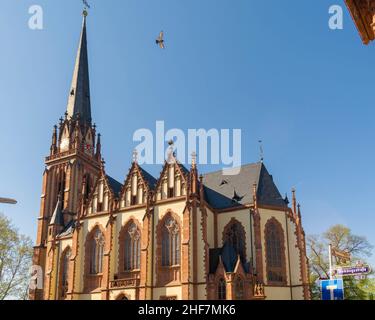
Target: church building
{"x":181,"y":235}
{"x":363,"y":14}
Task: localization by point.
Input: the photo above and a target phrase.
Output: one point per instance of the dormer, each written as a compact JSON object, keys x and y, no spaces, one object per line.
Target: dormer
{"x":137,"y":186}
{"x":172,"y":182}
{"x":103,"y":194}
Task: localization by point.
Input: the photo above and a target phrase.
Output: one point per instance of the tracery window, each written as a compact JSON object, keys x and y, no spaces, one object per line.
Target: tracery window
{"x":97,"y":252}
{"x":234,"y":234}
{"x":132,"y":248}
{"x":222,"y":290}
{"x":275,"y":252}
{"x":170,"y":243}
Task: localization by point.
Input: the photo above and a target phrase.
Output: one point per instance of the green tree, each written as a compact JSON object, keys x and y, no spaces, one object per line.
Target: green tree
{"x":342,"y":238}
{"x":15,"y":261}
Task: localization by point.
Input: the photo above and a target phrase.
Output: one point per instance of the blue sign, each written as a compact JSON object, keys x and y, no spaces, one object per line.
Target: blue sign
{"x":332,"y":289}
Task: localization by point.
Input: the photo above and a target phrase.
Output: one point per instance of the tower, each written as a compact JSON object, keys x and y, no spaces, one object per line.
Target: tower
{"x":73,"y":162}
{"x":363,"y":14}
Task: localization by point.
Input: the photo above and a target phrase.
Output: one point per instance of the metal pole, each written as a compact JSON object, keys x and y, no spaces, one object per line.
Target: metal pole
{"x":330,"y":269}
{"x":330,"y":262}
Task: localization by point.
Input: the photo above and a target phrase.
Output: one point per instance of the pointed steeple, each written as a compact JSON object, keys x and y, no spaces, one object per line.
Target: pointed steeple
{"x":57,"y":217}
{"x":79,"y":95}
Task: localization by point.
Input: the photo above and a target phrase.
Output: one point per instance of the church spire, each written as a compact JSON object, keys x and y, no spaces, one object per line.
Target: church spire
{"x":79,"y":95}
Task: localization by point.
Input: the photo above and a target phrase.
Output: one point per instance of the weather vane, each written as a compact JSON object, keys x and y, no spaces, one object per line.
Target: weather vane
{"x":261,"y":150}
{"x":86,"y":6}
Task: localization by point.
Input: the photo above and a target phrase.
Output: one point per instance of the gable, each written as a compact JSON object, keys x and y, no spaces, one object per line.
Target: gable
{"x":172,"y":181}
{"x":138,"y":184}
{"x":105,"y":191}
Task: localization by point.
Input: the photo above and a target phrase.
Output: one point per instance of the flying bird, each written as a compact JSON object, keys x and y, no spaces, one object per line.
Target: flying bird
{"x":160,"y":40}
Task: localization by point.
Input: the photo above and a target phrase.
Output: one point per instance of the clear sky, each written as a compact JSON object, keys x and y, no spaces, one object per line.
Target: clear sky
{"x":271,"y":68}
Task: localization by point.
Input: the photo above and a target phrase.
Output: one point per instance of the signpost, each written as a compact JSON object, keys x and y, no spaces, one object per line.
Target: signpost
{"x":332,"y":289}
{"x":340,"y":254}
{"x":352,"y":271}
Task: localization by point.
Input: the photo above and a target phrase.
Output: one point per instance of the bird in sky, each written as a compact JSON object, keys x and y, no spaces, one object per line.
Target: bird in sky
{"x":160,"y":40}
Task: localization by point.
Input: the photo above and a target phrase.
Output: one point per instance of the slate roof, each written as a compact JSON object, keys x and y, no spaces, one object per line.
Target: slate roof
{"x":150,"y":180}
{"x":184,"y":170}
{"x":68,"y":230}
{"x":79,"y":96}
{"x":228,"y":257}
{"x":220,"y":190}
{"x":114,"y":185}
{"x":57,"y":216}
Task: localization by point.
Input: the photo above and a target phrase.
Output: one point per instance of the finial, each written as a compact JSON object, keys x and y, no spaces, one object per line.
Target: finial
{"x":171,"y":153}
{"x":193,"y":159}
{"x":294,"y":201}
{"x":286,"y":199}
{"x":135,"y":156}
{"x":86,"y":6}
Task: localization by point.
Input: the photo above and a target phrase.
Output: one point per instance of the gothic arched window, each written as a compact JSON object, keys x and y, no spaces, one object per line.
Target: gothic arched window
{"x":275,"y":252}
{"x":65,"y":259}
{"x":222,"y":290}
{"x":132,"y":253}
{"x":97,"y":252}
{"x":239,"y":289}
{"x":234,"y":234}
{"x":122,"y":297}
{"x":61,"y":181}
{"x":87,"y":186}
{"x":170,"y":243}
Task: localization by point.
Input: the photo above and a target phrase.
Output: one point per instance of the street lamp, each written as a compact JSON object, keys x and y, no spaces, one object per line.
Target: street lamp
{"x":8,"y":201}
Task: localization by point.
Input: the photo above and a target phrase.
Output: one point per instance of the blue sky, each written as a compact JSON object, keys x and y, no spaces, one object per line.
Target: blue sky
{"x":271,"y":68}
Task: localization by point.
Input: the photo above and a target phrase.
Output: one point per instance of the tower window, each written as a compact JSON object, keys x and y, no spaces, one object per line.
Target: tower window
{"x":61,"y":187}
{"x":88,"y":186}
